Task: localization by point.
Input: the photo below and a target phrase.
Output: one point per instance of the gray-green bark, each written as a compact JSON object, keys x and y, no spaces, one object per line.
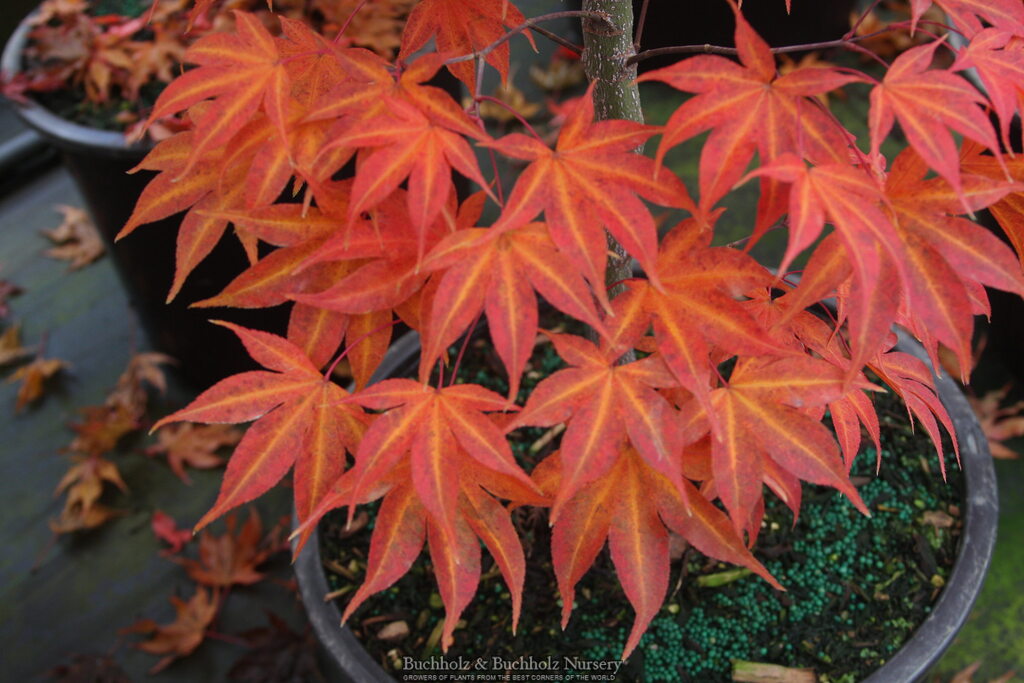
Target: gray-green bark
{"x":616,"y":96}
{"x":615,"y":93}
{"x":604,"y":58}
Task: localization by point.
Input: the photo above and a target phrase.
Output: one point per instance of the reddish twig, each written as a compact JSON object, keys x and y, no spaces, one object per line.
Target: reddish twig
{"x":731,"y":51}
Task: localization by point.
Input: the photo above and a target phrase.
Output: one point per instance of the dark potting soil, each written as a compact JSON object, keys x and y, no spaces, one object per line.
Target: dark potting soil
{"x":857,"y":587}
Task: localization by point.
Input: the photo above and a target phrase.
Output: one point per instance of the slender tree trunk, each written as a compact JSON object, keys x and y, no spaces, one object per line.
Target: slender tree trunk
{"x":615,"y":94}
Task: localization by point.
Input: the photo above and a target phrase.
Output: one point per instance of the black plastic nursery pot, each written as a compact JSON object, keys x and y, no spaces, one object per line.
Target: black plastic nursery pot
{"x":908,"y":664}
{"x":98,"y":162}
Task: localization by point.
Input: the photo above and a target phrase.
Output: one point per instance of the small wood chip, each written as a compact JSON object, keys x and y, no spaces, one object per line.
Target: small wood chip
{"x":546,"y":438}
{"x":396,"y":630}
{"x":937,"y":519}
{"x":722,"y":578}
{"x":758,"y":672}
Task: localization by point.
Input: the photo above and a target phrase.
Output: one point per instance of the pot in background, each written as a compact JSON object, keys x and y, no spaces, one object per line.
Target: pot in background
{"x":98,"y":162}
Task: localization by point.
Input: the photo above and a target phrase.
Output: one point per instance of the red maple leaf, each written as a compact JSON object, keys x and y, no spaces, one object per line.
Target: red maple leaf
{"x":301,"y":419}
{"x":461,"y":27}
{"x":591,"y":179}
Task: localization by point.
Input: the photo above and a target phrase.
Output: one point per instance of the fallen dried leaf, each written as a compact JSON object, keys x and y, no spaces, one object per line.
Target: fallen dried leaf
{"x":11,"y":349}
{"x":79,"y":241}
{"x":181,"y":637}
{"x":142,"y":369}
{"x":967,"y":675}
{"x":166,"y":529}
{"x":83,"y":482}
{"x":232,"y":558}
{"x":193,"y":445}
{"x":33,"y":379}
{"x":101,"y":429}
{"x":514,"y":100}
{"x":90,"y":668}
{"x":1000,"y":424}
{"x":560,"y":74}
{"x":277,"y":654}
{"x":77,"y":518}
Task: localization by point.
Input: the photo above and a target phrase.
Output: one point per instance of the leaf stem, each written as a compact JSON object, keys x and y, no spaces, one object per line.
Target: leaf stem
{"x":640,"y":22}
{"x":344,"y":27}
{"x":465,"y":345}
{"x":334,"y":363}
{"x":860,"y":20}
{"x":509,"y":109}
{"x":847,"y":42}
{"x":555,"y":38}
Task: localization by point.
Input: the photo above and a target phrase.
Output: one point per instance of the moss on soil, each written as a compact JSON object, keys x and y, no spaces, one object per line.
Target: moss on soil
{"x":857,"y":587}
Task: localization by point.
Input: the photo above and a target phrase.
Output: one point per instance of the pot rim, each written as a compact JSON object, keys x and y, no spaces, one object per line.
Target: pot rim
{"x":910,"y":663}
{"x":347,"y":653}
{"x":977,"y":540}
{"x":61,"y":132}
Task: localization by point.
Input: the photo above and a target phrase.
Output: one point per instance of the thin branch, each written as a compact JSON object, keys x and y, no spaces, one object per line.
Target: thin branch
{"x":529,"y":23}
{"x":860,"y":20}
{"x":721,"y":50}
{"x":344,"y":27}
{"x":497,"y":176}
{"x":555,"y":38}
{"x":465,"y":345}
{"x":640,"y":22}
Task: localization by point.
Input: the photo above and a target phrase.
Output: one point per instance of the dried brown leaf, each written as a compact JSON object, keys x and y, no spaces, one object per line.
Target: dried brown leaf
{"x":966,"y":675}
{"x":77,"y":518}
{"x":11,"y":349}
{"x":142,"y":369}
{"x":102,"y":428}
{"x":193,"y":445}
{"x":78,"y":239}
{"x":999,"y":423}
{"x":233,"y":558}
{"x":33,"y":378}
{"x":277,"y":655}
{"x":182,"y":636}
{"x":90,"y":668}
{"x":166,"y":529}
{"x":83,"y":482}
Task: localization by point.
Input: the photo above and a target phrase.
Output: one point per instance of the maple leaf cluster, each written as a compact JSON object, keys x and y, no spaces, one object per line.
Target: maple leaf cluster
{"x":106,"y":56}
{"x":96,"y":435}
{"x":114,"y":58}
{"x":706,"y":379}
{"x":33,"y":376}
{"x":218,"y":563}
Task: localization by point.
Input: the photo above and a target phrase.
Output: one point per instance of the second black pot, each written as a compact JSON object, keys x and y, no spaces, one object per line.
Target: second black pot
{"x":98,"y":162}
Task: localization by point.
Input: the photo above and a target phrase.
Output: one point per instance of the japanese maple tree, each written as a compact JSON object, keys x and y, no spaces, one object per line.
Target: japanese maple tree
{"x":706,"y":375}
